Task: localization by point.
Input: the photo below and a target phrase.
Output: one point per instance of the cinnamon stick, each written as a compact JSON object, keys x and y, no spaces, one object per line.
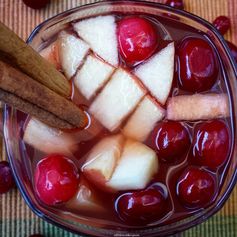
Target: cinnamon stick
{"x":22,"y":56}
{"x":30,"y":96}
{"x":34,"y":110}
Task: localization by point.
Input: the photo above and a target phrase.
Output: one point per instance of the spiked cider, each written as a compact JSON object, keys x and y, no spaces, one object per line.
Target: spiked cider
{"x":158,"y":142}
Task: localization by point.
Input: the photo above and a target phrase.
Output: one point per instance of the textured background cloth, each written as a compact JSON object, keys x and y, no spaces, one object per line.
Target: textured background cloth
{"x":16,"y":219}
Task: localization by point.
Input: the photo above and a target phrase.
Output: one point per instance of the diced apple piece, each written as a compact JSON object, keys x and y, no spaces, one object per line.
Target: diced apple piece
{"x":198,"y":106}
{"x":92,"y":76}
{"x":157,"y":73}
{"x":72,"y":51}
{"x":136,"y":167}
{"x":118,"y":98}
{"x":51,"y":54}
{"x":102,"y":159}
{"x":113,"y":166}
{"x":143,"y":120}
{"x":85,"y":199}
{"x":100,"y":33}
{"x":47,"y":139}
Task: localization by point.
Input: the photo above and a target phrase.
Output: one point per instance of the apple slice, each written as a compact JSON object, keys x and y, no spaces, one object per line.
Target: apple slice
{"x":47,"y":139}
{"x":85,"y":199}
{"x":100,"y":33}
{"x":135,"y":168}
{"x":72,"y":51}
{"x":143,"y":120}
{"x":51,"y":54}
{"x":102,"y":159}
{"x":92,"y":76}
{"x":157,"y":73}
{"x":118,"y":98}
{"x":198,"y":106}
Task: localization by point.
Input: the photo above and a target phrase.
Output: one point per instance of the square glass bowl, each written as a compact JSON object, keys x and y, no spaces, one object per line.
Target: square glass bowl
{"x":20,"y":163}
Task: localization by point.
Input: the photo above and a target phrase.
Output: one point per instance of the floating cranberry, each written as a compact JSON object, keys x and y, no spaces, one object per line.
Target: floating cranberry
{"x":36,"y":4}
{"x":137,"y":39}
{"x":6,"y":178}
{"x":233,"y":50}
{"x":196,"y":187}
{"x":175,"y":3}
{"x":142,"y":207}
{"x":56,"y":179}
{"x":197,"y":65}
{"x":222,"y":23}
{"x":170,"y":140}
{"x":210,"y":146}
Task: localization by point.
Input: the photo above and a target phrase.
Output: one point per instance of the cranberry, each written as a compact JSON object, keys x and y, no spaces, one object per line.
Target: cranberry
{"x":170,"y":140}
{"x":137,"y":39}
{"x":196,"y":187}
{"x":222,"y":23}
{"x":36,"y":4}
{"x":175,"y":3}
{"x":233,"y":50}
{"x":6,"y":178}
{"x":141,"y":207}
{"x":198,"y":66}
{"x":56,"y":179}
{"x":210,"y":146}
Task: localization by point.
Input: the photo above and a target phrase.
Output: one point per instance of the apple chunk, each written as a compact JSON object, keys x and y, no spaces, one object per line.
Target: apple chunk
{"x":51,"y":54}
{"x":143,"y":120}
{"x":135,"y":168}
{"x":118,"y":98}
{"x":113,"y":165}
{"x":85,"y":199}
{"x":72,"y":51}
{"x":102,"y":159}
{"x":100,"y":33}
{"x":92,"y":76}
{"x":197,"y":107}
{"x":47,"y":139}
{"x":157,"y":73}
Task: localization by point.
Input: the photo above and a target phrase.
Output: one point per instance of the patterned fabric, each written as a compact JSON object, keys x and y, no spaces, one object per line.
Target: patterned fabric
{"x":16,"y":219}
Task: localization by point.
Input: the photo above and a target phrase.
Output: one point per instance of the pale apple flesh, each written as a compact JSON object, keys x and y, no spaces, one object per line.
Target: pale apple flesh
{"x":92,"y":76}
{"x":136,"y":167}
{"x":157,"y":73}
{"x":144,"y":119}
{"x":47,"y":139}
{"x":198,"y":107}
{"x":85,"y":199}
{"x":102,"y":159}
{"x":100,"y":33}
{"x":72,"y":52}
{"x":117,"y":100}
{"x":116,"y":164}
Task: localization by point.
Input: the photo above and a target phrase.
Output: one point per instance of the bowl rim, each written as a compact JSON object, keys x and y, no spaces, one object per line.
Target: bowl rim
{"x":184,"y":13}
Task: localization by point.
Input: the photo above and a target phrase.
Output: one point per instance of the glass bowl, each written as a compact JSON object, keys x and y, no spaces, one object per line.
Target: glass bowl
{"x":18,"y":160}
